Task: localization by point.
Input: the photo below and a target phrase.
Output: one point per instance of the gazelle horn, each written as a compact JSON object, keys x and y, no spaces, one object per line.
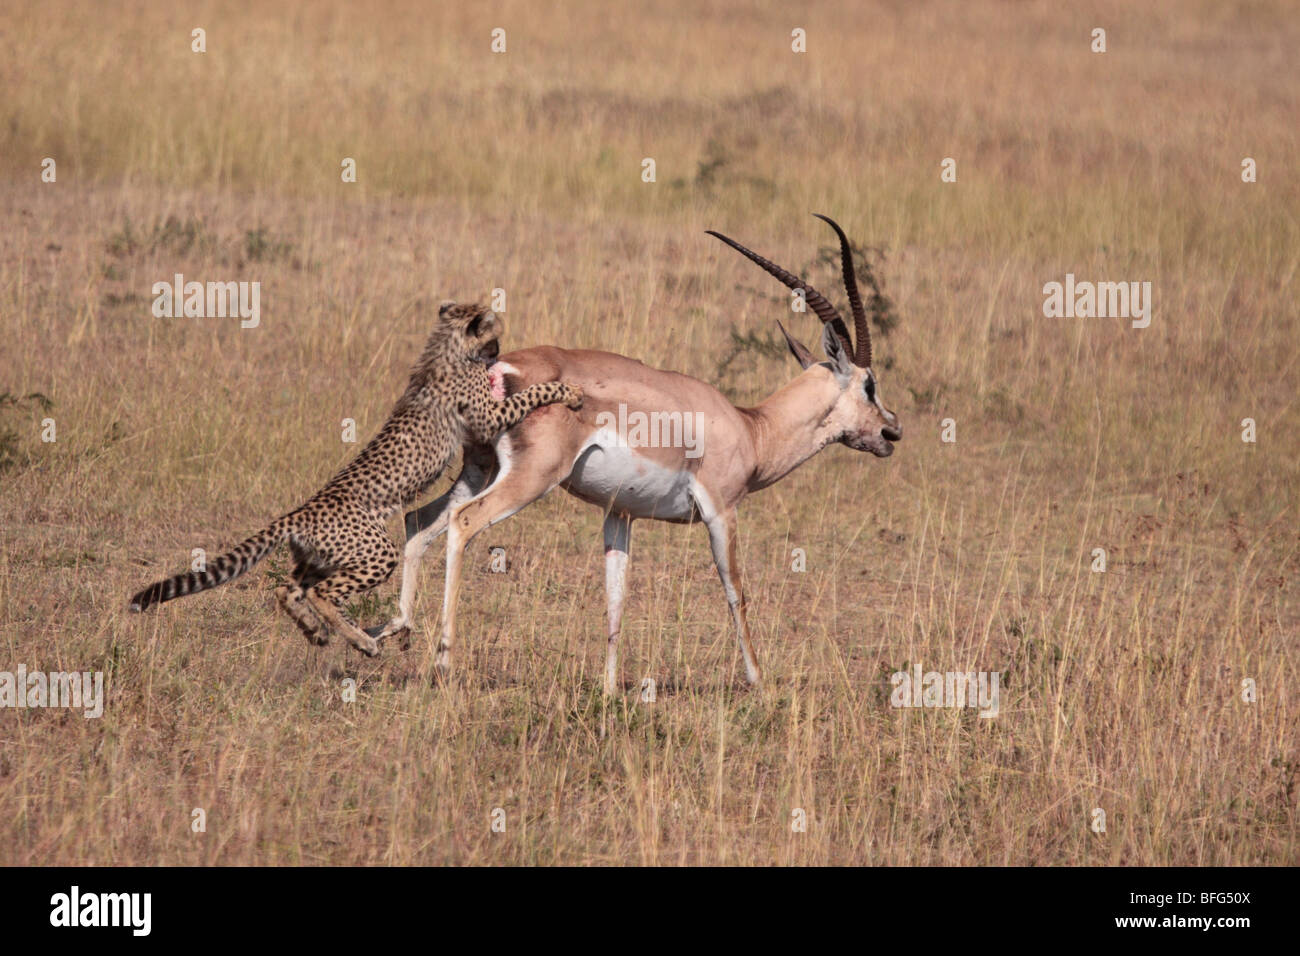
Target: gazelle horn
{"x":825,"y":311}
{"x":861,"y":330}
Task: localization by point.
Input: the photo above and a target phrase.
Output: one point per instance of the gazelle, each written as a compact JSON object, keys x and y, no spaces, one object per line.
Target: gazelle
{"x":734,"y":451}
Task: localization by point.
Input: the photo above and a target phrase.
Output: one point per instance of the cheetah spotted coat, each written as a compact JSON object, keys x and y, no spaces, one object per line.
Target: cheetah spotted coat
{"x":338,"y":538}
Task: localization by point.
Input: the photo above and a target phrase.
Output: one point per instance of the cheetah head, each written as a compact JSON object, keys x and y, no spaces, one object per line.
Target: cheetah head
{"x":474,"y":330}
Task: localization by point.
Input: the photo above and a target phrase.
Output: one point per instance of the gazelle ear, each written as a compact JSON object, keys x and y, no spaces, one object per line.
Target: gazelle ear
{"x":841,"y":365}
{"x":801,"y":354}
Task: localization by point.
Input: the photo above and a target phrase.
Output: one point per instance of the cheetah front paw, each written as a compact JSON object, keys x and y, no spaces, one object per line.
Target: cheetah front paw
{"x":317,"y":635}
{"x":574,"y":399}
{"x":364,"y":643}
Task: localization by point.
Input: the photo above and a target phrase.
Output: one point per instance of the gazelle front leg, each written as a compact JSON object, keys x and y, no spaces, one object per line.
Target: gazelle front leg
{"x":618,"y":533}
{"x":722,"y":539}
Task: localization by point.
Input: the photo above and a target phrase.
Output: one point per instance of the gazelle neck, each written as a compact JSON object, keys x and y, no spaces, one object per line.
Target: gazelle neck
{"x":792,"y":425}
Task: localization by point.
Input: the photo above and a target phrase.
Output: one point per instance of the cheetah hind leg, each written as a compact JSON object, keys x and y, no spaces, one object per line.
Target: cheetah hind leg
{"x":306,"y":572}
{"x":293,"y":601}
{"x":327,"y":599}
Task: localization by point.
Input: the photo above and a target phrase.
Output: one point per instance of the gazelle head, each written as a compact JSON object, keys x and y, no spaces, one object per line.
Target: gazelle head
{"x":858,"y":417}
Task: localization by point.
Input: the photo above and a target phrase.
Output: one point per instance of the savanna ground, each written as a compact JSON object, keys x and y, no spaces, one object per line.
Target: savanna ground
{"x":1121,"y":691}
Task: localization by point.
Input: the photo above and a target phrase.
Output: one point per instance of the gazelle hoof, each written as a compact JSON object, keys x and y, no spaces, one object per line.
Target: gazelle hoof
{"x":394,"y":628}
{"x":442,"y":666}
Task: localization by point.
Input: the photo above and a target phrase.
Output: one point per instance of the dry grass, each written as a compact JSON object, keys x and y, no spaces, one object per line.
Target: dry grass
{"x":1121,"y":691}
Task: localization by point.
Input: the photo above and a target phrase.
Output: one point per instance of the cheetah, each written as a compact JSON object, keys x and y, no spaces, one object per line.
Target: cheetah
{"x":338,"y":539}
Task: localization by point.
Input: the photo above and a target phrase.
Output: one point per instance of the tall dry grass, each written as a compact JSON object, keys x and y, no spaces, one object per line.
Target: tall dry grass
{"x":1121,"y":691}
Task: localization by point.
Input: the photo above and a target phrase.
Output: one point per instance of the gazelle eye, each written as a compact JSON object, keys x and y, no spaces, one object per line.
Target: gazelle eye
{"x":869,"y":386}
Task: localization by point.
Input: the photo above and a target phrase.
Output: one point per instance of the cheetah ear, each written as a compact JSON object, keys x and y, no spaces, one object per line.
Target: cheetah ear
{"x":445,"y":306}
{"x":477,"y":323}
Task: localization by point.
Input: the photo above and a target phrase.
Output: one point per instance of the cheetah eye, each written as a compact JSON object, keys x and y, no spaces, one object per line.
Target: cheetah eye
{"x":472,"y":328}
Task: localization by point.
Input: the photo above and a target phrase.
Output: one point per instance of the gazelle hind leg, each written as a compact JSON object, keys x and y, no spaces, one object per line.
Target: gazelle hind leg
{"x":423,"y":526}
{"x":512,"y":491}
{"x":618,"y":533}
{"x":722,"y":540}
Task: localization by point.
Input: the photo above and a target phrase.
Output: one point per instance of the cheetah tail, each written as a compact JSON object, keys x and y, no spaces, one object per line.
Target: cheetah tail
{"x":219,"y":570}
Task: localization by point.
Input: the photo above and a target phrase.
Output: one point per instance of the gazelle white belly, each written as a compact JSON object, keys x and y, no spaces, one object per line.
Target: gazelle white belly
{"x":611,"y":475}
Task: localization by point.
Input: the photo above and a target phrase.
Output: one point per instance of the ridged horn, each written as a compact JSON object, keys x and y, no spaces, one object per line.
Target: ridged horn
{"x":825,"y":311}
{"x":861,"y":330}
